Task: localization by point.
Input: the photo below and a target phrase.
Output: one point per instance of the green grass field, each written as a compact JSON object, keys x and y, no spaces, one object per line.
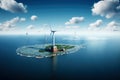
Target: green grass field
{"x":59,"y":47}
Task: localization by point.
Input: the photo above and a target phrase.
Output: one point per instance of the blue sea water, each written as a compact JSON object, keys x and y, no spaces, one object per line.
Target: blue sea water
{"x":99,"y":60}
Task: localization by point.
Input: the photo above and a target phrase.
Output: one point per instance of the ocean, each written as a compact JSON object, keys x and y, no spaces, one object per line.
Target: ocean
{"x":98,"y":60}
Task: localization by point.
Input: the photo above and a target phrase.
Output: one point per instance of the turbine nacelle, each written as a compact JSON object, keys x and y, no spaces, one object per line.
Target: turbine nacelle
{"x":53,"y":31}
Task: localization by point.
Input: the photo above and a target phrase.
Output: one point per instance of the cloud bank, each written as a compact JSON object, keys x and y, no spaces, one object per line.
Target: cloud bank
{"x":8,"y":25}
{"x":12,"y":6}
{"x":33,"y":17}
{"x":30,"y":27}
{"x":112,"y":26}
{"x":23,"y":19}
{"x":107,"y":8}
{"x":74,"y":20}
{"x":95,"y":25}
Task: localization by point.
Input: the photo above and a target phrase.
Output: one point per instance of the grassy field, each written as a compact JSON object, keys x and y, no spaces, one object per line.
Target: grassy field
{"x":59,"y":47}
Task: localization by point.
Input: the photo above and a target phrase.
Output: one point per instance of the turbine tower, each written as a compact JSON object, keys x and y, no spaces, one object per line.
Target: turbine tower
{"x":54,"y":47}
{"x":53,"y":37}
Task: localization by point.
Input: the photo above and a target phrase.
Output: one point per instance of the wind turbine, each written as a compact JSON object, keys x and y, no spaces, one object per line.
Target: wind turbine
{"x":53,"y":37}
{"x":54,"y":47}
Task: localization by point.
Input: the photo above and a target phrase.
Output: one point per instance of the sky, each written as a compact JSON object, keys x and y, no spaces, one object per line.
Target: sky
{"x":77,"y":15}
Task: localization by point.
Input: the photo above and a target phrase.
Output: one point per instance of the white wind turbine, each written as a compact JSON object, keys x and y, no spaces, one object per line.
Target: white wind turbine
{"x":53,"y":36}
{"x":54,"y":48}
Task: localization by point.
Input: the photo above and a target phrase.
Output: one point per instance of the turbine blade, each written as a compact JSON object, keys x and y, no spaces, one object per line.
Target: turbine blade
{"x":50,"y":28}
{"x":51,"y":33}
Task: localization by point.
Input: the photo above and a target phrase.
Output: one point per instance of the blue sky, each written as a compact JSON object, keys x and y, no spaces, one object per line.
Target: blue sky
{"x":59,"y":12}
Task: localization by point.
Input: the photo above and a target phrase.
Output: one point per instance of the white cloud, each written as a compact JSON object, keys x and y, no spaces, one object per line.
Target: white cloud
{"x":11,"y":24}
{"x":107,"y":8}
{"x":23,"y":19}
{"x":30,"y":27}
{"x":112,"y":26}
{"x":33,"y":17}
{"x":72,"y":27}
{"x":95,"y":25}
{"x":74,"y":20}
{"x":12,"y":6}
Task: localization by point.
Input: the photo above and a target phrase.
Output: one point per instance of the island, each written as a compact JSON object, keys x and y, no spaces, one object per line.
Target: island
{"x":47,"y":50}
{"x":40,"y":51}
